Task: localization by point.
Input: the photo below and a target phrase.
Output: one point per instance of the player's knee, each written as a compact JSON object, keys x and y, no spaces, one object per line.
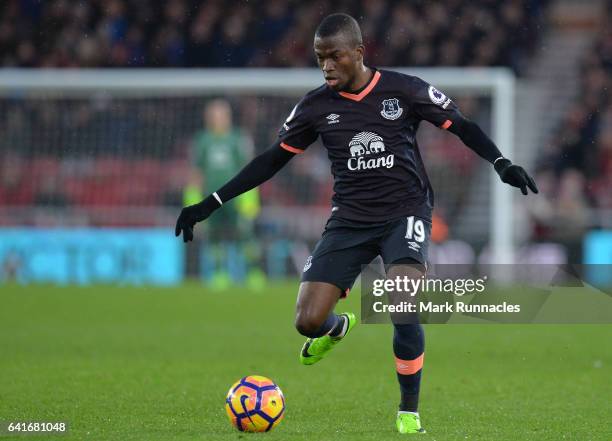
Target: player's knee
{"x":307,"y":324}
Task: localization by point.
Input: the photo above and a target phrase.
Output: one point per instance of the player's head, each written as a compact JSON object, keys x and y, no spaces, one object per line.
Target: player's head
{"x":218,"y":116}
{"x":339,"y":50}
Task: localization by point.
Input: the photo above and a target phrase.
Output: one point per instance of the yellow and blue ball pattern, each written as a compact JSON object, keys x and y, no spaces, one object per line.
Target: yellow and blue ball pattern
{"x":255,"y":404}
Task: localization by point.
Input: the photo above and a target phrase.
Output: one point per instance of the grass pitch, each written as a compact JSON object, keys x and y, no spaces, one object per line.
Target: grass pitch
{"x":155,"y":364}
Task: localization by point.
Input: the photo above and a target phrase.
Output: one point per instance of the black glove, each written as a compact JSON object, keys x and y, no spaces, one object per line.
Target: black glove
{"x":191,"y":215}
{"x":514,"y":175}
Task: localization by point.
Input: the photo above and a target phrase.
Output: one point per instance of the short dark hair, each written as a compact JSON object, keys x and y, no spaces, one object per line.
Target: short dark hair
{"x":343,"y":24}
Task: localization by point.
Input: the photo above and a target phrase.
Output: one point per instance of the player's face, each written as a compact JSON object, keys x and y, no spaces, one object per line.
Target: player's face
{"x":338,"y":60}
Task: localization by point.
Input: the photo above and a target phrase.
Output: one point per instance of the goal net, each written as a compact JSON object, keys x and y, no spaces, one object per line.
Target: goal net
{"x":115,"y":148}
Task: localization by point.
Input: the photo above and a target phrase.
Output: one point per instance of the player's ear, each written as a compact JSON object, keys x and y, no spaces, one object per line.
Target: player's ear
{"x":360,"y":50}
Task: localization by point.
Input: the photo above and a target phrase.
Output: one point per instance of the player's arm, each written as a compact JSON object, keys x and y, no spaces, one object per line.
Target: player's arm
{"x":255,"y":173}
{"x":472,"y":136}
{"x":434,"y":106}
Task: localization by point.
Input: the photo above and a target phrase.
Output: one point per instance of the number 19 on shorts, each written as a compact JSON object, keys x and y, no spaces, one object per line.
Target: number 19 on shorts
{"x":415,"y":229}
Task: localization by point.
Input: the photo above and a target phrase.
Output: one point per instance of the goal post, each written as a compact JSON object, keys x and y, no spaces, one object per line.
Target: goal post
{"x":496,"y":83}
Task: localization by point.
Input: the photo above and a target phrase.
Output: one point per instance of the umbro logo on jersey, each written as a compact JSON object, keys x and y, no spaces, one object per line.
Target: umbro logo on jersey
{"x":391,"y":109}
{"x":333,"y":118}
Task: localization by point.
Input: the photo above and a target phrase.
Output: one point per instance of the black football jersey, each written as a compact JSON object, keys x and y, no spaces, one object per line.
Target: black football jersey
{"x":370,"y":139}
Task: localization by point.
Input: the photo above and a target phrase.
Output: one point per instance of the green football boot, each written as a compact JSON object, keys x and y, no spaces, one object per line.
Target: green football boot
{"x":316,"y":348}
{"x":408,"y":423}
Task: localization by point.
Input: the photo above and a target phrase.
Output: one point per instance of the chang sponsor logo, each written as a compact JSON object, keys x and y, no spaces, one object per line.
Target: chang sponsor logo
{"x":366,"y":144}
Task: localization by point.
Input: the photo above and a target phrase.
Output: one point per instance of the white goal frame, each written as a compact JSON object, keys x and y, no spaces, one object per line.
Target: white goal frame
{"x":498,"y":83}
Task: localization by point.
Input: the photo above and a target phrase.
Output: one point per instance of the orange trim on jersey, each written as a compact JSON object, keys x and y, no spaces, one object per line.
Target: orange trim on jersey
{"x":409,"y":367}
{"x":291,"y":149}
{"x":364,"y":92}
{"x":446,"y":124}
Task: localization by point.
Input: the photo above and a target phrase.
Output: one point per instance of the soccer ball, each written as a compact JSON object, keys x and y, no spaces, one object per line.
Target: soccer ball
{"x":255,"y":404}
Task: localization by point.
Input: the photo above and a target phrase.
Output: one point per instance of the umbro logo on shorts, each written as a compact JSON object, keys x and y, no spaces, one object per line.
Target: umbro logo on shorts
{"x":308,"y":264}
{"x":414,"y":246}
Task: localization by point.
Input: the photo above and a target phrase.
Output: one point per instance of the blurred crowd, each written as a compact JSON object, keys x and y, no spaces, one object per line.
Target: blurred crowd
{"x":238,"y":33}
{"x":103,"y":151}
{"x":575,"y":169}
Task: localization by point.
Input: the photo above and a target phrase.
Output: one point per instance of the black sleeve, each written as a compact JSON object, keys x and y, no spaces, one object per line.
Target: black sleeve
{"x":472,"y":136}
{"x":256,"y":172}
{"x":432,"y":105}
{"x":297,"y":133}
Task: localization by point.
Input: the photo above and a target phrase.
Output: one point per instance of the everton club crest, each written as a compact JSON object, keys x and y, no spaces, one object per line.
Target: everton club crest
{"x":391,"y":109}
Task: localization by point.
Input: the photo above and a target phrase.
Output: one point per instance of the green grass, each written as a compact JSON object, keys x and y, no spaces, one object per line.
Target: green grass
{"x":155,"y":364}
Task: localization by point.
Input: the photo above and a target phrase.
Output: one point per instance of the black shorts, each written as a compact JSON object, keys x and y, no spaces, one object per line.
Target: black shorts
{"x":346,"y":245}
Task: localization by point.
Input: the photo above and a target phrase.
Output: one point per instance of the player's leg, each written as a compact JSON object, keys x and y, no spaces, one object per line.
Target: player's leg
{"x":314,"y":316}
{"x":328,"y":276}
{"x":409,"y":352}
{"x":406,"y":248}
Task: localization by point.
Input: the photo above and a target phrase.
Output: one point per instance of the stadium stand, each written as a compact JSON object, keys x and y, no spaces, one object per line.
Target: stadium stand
{"x":183,"y":33}
{"x":576,"y":167}
{"x":102,"y":159}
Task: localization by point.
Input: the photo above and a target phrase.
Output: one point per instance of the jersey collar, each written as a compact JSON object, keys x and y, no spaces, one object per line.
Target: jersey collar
{"x":361,"y":95}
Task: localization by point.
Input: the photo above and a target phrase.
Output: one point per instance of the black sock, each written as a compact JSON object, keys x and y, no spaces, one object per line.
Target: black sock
{"x":408,"y":346}
{"x":337,"y":330}
{"x":330,"y":323}
{"x":409,"y":402}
